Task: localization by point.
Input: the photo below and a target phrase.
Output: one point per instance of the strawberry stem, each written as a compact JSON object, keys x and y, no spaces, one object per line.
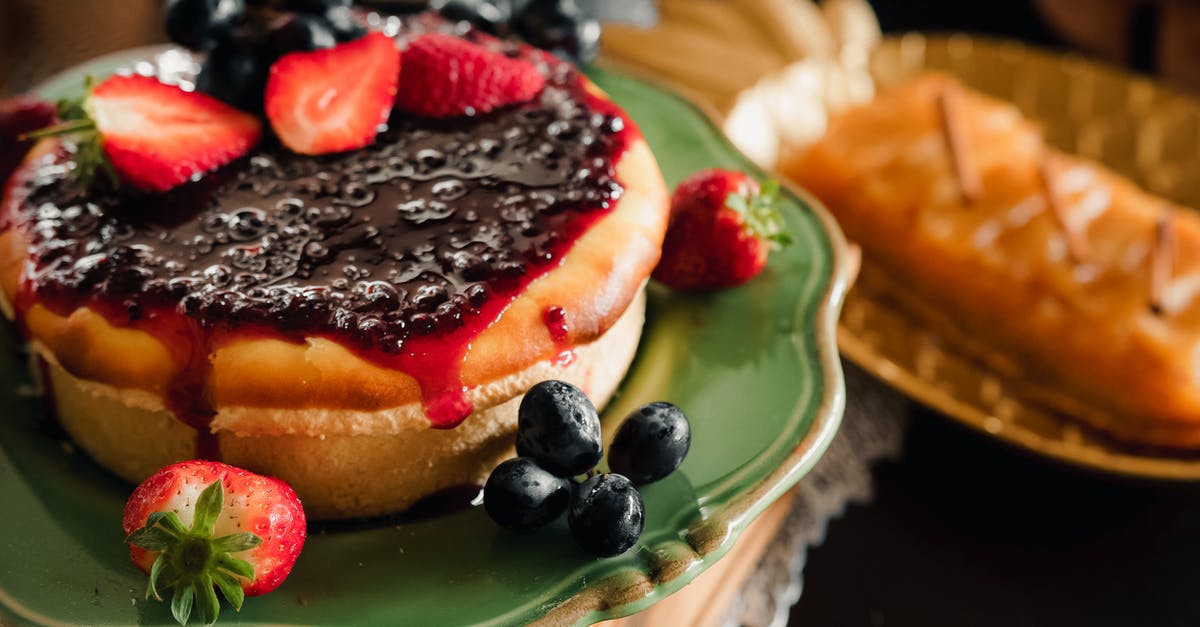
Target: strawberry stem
{"x":70,"y":127}
{"x":78,"y":123}
{"x":193,"y":563}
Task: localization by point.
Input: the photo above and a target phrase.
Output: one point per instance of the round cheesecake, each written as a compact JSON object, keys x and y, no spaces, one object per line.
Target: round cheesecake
{"x":361,"y":325}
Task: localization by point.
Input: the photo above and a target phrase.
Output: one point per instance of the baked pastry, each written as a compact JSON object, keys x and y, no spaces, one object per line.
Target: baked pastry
{"x":362,"y":324}
{"x":1067,"y":279}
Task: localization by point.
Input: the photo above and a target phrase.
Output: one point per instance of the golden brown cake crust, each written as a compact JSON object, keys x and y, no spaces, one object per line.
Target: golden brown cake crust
{"x":342,"y":463}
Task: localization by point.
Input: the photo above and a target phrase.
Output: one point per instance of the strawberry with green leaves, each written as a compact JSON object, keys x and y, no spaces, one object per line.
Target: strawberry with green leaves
{"x":723,"y":225}
{"x":150,"y":135}
{"x":199,"y":527}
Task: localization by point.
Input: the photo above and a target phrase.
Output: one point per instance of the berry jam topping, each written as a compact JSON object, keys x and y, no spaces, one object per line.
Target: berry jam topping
{"x":402,"y":251}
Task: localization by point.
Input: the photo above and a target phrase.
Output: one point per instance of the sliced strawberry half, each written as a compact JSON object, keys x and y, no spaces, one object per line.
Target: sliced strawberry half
{"x":157,"y":136}
{"x":334,"y":99}
{"x":445,"y":76}
{"x":198,"y":527}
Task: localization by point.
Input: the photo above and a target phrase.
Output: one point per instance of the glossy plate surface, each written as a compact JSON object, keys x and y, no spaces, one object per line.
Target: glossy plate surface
{"x":1136,"y":127}
{"x":755,"y":368}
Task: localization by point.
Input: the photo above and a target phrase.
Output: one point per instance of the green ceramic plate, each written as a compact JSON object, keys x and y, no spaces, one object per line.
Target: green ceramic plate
{"x":755,"y":368}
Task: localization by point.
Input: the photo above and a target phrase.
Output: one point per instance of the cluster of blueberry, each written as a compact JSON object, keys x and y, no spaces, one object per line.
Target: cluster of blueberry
{"x":559,"y":26}
{"x":558,"y":439}
{"x":242,"y":38}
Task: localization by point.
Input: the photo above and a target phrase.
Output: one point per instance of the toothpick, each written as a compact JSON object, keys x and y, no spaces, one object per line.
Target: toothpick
{"x":1162,"y":262}
{"x":1077,"y":244}
{"x":956,"y":145}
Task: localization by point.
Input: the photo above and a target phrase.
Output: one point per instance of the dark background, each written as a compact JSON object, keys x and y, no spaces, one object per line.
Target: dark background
{"x":966,"y":531}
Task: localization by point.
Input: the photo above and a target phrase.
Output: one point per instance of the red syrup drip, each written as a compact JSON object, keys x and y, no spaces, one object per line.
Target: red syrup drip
{"x":403,"y":252}
{"x":555,"y":318}
{"x":187,"y":394}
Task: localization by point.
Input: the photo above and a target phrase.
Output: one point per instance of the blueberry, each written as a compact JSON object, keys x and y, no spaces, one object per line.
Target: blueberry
{"x":583,"y":45}
{"x":558,"y":426}
{"x":489,"y":15}
{"x":651,"y":443}
{"x":399,"y":7}
{"x":560,"y":27}
{"x":315,"y":7}
{"x":300,"y":33}
{"x":195,"y":24}
{"x":606,"y":515}
{"x":520,"y":495}
{"x":235,"y":71}
{"x":344,"y":25}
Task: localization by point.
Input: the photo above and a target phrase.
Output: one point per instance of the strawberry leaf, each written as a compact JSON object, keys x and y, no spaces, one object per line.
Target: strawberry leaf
{"x":76,"y":108}
{"x":181,"y":604}
{"x":230,"y":588}
{"x":167,"y":520}
{"x":235,"y":542}
{"x":236,"y":566}
{"x":206,"y":599}
{"x":151,"y":538}
{"x":91,"y":160}
{"x":760,"y":213}
{"x":156,"y":572}
{"x":208,"y":508}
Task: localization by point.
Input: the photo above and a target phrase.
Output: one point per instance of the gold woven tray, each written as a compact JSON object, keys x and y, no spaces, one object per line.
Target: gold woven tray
{"x":1142,"y":130}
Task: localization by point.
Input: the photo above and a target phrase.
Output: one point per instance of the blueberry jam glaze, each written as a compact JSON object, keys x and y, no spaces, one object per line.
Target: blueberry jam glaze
{"x":403,"y":251}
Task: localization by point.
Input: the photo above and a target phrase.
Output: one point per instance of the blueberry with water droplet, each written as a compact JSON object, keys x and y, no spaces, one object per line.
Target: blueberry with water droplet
{"x":491,"y":16}
{"x":520,"y":495}
{"x":194,"y":24}
{"x":651,"y":443}
{"x":344,"y":24}
{"x":560,"y":27}
{"x":315,"y":6}
{"x":300,"y":33}
{"x":558,"y":426}
{"x":606,"y":515}
{"x":235,"y":71}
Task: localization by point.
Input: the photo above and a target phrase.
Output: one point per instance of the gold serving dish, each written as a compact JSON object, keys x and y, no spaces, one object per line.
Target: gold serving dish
{"x":816,"y":60}
{"x":1132,"y":125}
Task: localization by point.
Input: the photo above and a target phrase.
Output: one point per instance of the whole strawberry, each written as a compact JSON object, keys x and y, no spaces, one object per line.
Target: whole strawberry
{"x":444,"y":76}
{"x":723,"y":225}
{"x":198,"y":526}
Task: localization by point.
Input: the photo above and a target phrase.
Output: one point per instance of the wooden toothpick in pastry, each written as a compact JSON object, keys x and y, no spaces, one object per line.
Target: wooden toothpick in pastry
{"x":956,"y":145}
{"x":1162,"y":262}
{"x":1077,"y":244}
